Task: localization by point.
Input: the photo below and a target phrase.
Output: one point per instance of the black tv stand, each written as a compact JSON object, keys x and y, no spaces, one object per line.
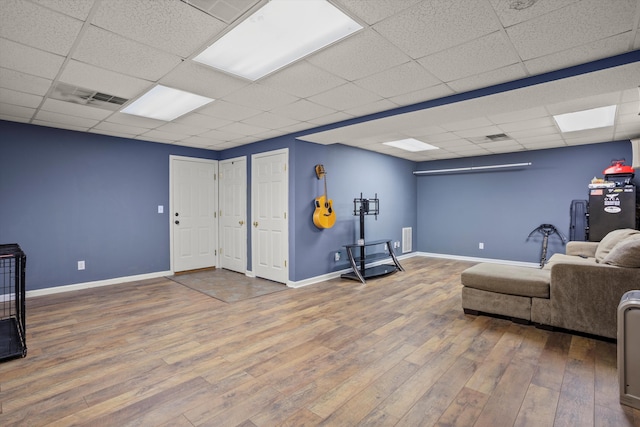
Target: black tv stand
{"x":360,"y":272}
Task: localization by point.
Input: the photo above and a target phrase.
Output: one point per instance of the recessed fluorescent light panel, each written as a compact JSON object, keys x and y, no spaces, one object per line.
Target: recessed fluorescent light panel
{"x":165,"y":103}
{"x":277,"y":34}
{"x":587,"y":119}
{"x":411,"y":144}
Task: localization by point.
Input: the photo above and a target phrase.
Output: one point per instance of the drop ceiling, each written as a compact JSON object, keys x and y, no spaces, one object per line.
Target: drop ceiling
{"x":63,"y":62}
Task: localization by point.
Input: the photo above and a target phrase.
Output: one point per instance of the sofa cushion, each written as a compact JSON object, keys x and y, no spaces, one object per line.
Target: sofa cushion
{"x":626,"y":253}
{"x":508,"y":279}
{"x":611,"y":239}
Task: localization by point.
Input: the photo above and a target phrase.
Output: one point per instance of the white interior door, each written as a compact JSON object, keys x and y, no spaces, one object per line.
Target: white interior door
{"x":193,"y":213}
{"x":269,"y":205}
{"x":233,"y":214}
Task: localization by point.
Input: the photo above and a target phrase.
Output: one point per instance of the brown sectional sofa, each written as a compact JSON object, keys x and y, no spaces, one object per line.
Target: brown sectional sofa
{"x":578,"y":291}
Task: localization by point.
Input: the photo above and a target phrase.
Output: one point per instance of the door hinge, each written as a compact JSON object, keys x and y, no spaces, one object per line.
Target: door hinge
{"x":215,"y":215}
{"x":220,"y":251}
{"x":215,"y":252}
{"x":215,"y":176}
{"x":285,"y":262}
{"x":285,"y":215}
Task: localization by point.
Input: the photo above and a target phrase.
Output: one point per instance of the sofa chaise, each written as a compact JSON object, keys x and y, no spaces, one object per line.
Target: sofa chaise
{"x":578,"y":291}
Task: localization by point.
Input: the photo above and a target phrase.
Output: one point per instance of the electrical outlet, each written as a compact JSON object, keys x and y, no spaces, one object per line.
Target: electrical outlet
{"x":480,"y":245}
{"x":80,"y":265}
{"x":336,"y":256}
{"x":160,"y":209}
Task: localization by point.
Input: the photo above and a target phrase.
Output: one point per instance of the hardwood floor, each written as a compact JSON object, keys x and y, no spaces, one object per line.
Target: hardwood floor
{"x":398,"y":351}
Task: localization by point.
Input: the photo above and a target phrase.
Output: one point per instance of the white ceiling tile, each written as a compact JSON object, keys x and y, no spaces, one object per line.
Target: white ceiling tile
{"x":261,"y":97}
{"x":425,"y":131}
{"x":270,"y":121}
{"x":404,"y":78}
{"x":455,"y":145}
{"x":629,"y":108}
{"x":100,"y":80}
{"x":13,"y":118}
{"x":345,"y":97}
{"x":530,"y":133}
{"x":29,"y":60}
{"x":243,"y":129}
{"x":302,"y":79}
{"x":115,"y":53}
{"x":202,"y":120}
{"x":220,"y":135}
{"x":59,"y":125}
{"x":159,"y":24}
{"x":20,"y":98}
{"x":543,"y":145}
{"x":372,"y":12}
{"x":527,"y":124}
{"x":165,"y":136}
{"x":98,"y":131}
{"x":432,"y":26}
{"x":23,"y":82}
{"x":56,"y":32}
{"x":579,"y":55}
{"x":303,"y":110}
{"x":632,"y":118}
{"x":584,"y":103}
{"x":336,"y":117}
{"x":182,"y":129}
{"x":512,"y":12}
{"x":552,"y":138}
{"x":77,"y":9}
{"x":480,"y":132}
{"x":433,"y":92}
{"x":518,"y":116}
{"x":120,"y":128}
{"x":632,"y":127}
{"x":445,"y":138}
{"x":202,"y":80}
{"x":494,"y":145}
{"x":579,"y":23}
{"x":154,"y":138}
{"x":133,"y":120}
{"x":631,"y":95}
{"x":466,"y":124}
{"x":198,"y":141}
{"x":65,"y":119}
{"x":490,"y":78}
{"x":371,"y":108}
{"x":73,"y":109}
{"x":477,"y":56}
{"x":228,"y":111}
{"x":358,"y":56}
{"x":16,"y":111}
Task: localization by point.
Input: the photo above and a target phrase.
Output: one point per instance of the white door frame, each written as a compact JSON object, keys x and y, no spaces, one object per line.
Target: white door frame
{"x":171,"y":205}
{"x":285,"y":198}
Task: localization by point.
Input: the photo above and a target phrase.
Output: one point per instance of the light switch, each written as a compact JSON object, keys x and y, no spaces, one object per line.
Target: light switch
{"x":160,"y":209}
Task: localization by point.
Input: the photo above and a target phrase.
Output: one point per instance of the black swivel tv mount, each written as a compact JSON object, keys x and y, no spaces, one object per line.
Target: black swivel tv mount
{"x":364,"y":207}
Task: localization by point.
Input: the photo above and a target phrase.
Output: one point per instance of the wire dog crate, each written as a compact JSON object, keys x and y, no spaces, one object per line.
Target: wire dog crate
{"x":12,"y":302}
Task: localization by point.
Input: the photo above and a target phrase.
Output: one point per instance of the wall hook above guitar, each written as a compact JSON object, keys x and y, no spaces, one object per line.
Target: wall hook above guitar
{"x":324,"y":215}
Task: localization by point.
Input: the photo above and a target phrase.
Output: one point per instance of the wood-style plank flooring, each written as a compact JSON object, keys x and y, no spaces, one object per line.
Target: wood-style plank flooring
{"x":398,"y":351}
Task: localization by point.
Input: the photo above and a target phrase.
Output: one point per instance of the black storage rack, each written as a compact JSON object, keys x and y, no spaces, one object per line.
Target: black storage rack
{"x":12,"y":302}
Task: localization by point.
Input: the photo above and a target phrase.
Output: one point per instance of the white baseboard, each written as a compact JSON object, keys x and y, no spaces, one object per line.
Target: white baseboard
{"x":290,"y":283}
{"x":97,"y":283}
{"x":476,"y":259}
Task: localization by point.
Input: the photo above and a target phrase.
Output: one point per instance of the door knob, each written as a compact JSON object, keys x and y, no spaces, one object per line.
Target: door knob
{"x":176,"y":213}
{"x":177,"y":222}
{"x":255,"y":224}
{"x":240,"y":222}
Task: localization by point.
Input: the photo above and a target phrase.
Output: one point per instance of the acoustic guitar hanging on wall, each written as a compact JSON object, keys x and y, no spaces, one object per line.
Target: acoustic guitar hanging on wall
{"x":324,"y":216}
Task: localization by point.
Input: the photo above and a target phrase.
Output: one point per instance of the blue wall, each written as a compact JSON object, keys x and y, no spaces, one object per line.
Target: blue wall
{"x":500,"y":208}
{"x":67,"y":196}
{"x":350,"y":171}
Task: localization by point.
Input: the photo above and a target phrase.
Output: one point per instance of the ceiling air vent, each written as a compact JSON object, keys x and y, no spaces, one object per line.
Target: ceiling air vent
{"x":77,"y":95}
{"x":498,"y":137}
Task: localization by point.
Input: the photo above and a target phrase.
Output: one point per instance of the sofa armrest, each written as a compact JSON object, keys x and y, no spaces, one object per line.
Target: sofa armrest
{"x":586,"y":249}
{"x":585,"y":297}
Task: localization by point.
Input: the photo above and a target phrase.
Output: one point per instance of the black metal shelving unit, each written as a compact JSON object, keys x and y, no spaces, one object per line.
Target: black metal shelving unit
{"x":12,"y":302}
